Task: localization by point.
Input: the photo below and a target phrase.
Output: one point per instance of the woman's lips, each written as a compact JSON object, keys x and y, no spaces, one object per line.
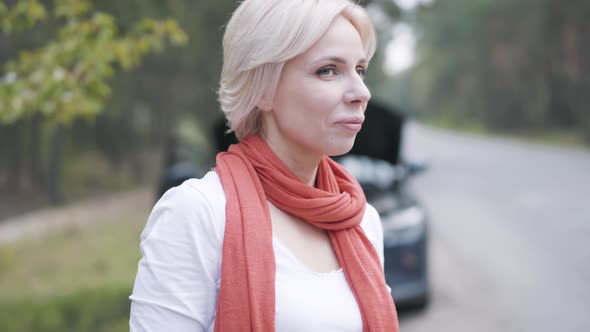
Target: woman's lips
{"x":353,"y":124}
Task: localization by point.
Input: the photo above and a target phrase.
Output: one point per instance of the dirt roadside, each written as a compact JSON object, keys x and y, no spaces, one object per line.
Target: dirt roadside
{"x":88,"y":212}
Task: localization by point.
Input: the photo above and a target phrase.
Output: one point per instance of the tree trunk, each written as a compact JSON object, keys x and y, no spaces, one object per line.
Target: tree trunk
{"x":36,"y":171}
{"x":54,"y":166}
{"x":13,"y":171}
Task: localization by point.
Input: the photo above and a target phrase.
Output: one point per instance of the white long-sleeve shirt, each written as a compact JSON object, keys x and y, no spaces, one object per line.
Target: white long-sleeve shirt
{"x":178,"y":276}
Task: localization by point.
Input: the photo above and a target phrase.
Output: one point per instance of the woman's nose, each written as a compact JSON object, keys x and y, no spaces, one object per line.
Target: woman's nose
{"x":357,"y":92}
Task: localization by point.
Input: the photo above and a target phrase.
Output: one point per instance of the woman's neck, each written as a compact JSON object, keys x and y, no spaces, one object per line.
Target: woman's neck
{"x":302,"y":163}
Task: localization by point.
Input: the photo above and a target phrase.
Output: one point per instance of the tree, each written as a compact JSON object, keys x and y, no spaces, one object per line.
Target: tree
{"x":508,"y":65}
{"x":67,"y":78}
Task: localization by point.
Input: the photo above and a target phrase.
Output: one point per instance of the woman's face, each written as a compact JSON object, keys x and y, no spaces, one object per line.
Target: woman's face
{"x":319,"y":104}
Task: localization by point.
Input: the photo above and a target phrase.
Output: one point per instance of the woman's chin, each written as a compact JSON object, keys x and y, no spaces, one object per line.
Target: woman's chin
{"x":341,"y":148}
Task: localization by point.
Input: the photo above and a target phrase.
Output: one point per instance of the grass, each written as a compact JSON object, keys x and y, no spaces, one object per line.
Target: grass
{"x":554,"y":137}
{"x":558,"y":137}
{"x":74,"y":259}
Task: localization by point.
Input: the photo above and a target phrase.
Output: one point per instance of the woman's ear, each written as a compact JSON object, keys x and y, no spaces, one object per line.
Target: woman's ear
{"x":264,"y":107}
{"x":265,"y":104}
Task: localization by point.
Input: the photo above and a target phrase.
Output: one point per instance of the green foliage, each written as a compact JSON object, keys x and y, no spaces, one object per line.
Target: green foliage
{"x":509,"y":65}
{"x":104,"y":309}
{"x":88,"y":169}
{"x":21,"y":16}
{"x":68,"y":77}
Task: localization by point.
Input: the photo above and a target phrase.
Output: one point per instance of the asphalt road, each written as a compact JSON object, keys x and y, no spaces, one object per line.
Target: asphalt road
{"x":510,"y":234}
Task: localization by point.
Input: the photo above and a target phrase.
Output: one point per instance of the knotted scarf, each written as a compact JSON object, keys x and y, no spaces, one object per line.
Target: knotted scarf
{"x":251,"y":174}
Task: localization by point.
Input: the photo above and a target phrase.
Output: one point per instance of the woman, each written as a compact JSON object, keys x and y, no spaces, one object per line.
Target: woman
{"x":278,"y":237}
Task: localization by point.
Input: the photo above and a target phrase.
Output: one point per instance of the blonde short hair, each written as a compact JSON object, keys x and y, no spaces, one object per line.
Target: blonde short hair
{"x":264,"y":34}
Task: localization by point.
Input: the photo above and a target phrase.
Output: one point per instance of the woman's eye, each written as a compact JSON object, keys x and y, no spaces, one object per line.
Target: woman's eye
{"x":326,"y":71}
{"x":362,"y":72}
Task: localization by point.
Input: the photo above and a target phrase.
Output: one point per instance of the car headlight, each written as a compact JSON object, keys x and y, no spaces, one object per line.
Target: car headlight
{"x":403,"y":227}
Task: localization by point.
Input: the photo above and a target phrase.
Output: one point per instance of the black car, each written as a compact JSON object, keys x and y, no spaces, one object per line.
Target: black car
{"x":405,"y":225}
{"x":377,"y":164}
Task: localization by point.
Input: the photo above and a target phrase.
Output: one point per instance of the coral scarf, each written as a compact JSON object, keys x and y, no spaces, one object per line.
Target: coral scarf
{"x":251,"y":174}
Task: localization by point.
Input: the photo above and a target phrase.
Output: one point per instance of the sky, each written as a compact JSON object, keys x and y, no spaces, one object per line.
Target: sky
{"x":407,"y":4}
{"x":400,"y":52}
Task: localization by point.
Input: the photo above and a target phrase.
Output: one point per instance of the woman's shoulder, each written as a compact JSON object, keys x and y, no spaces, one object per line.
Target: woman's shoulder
{"x":207,"y":190}
{"x":197,"y":206}
{"x":179,"y":273}
{"x":371,"y":224}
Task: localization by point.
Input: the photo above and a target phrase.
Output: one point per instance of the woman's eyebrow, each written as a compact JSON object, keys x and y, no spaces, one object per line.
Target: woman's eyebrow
{"x":338,"y":60}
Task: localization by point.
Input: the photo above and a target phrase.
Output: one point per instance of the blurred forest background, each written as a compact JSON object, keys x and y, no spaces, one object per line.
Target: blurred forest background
{"x":512,"y":68}
{"x":92,"y":93}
